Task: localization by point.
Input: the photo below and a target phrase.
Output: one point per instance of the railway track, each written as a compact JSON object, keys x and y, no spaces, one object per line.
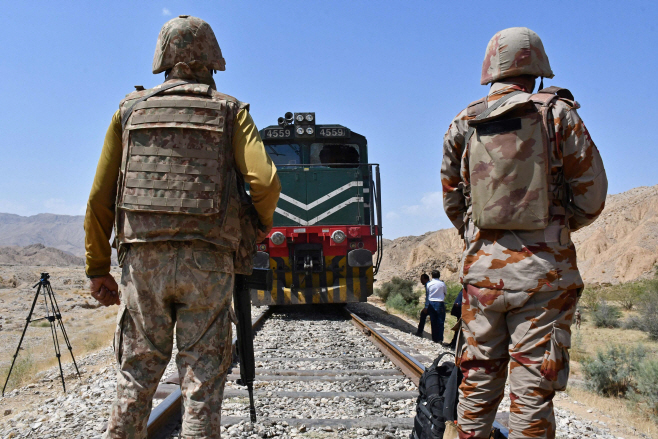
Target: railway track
{"x":324,"y":369}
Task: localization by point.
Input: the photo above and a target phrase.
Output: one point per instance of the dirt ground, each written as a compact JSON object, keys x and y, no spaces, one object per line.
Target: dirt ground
{"x":89,"y":326}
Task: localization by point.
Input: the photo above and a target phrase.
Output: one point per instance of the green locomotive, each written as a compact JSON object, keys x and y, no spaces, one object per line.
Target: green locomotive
{"x":326,"y":243}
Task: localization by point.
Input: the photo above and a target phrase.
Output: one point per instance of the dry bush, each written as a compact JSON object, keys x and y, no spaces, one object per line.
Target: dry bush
{"x":591,"y":298}
{"x":646,"y":387}
{"x":23,"y":372}
{"x":606,"y":315}
{"x":612,"y":372}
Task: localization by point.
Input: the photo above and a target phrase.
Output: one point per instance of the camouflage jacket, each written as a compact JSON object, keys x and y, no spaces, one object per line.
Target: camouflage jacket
{"x":527,"y":260}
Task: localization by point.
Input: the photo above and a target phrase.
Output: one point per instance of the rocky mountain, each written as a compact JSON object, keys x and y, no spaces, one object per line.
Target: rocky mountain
{"x":38,"y":254}
{"x":621,"y":245}
{"x":63,"y":232}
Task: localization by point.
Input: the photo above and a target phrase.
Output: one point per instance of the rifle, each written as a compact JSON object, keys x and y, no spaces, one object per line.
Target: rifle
{"x":260,"y":279}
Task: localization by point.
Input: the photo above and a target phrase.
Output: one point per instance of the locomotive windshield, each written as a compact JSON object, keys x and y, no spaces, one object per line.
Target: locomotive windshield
{"x":335,"y":155}
{"x":287,"y":154}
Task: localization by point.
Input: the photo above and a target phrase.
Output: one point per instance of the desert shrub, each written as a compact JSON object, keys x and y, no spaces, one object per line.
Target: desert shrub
{"x":591,"y":297}
{"x":633,"y":322}
{"x":649,"y":310}
{"x":399,"y":294}
{"x":452,"y":290}
{"x":396,"y":286}
{"x":611,"y":372}
{"x":410,"y":308}
{"x":646,"y":386}
{"x":24,"y":369}
{"x":606,"y":315}
{"x":627,"y":294}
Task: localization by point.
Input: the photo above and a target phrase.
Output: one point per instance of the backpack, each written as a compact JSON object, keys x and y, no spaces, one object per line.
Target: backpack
{"x":508,"y":152}
{"x":437,"y":399}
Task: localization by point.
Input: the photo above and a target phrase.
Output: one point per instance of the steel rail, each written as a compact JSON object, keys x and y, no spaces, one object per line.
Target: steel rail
{"x":411,"y":367}
{"x":169,"y":410}
{"x":398,"y":356}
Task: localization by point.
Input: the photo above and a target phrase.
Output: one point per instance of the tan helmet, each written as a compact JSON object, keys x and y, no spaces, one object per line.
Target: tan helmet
{"x":187,"y":39}
{"x":513,"y":52}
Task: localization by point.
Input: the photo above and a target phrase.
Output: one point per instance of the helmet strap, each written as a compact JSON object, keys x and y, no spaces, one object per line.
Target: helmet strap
{"x":541,"y":84}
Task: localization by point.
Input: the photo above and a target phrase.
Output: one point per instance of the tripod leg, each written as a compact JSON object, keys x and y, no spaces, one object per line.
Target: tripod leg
{"x":53,"y":331}
{"x":27,"y":322}
{"x":58,"y":316}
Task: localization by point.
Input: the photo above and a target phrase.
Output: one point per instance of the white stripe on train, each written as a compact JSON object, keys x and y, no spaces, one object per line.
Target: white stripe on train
{"x":318,"y":218}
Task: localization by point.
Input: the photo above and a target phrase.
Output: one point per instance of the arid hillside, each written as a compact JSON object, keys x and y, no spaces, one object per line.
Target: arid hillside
{"x":38,"y":255}
{"x":64,"y":232}
{"x":620,"y":246}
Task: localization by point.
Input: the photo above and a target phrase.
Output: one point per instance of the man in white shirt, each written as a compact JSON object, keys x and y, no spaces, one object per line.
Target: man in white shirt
{"x":436,"y":294}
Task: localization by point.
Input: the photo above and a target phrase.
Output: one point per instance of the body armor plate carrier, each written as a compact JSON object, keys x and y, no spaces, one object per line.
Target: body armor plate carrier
{"x":177,"y":178}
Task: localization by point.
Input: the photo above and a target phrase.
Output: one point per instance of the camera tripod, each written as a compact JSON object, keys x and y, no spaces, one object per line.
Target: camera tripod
{"x":54,"y":317}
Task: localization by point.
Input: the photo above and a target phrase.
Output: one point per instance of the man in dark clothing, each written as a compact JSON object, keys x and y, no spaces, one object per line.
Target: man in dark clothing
{"x":424,"y":278}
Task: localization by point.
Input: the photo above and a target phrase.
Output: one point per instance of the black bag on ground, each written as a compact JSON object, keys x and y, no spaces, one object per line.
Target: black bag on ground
{"x":437,"y":401}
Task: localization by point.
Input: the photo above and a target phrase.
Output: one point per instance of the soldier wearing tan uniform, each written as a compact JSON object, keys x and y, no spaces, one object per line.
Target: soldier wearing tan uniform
{"x":168,"y":181}
{"x":519,"y":174}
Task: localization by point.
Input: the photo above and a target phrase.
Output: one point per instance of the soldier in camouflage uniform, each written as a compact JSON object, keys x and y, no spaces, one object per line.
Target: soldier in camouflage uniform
{"x":519,"y":174}
{"x":169,"y":180}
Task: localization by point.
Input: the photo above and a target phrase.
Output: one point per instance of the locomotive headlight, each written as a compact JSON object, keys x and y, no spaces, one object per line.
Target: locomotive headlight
{"x":338,"y":236}
{"x":300,"y":118}
{"x":278,"y":238}
{"x":309,"y":130}
{"x":309,"y":117}
{"x":300,"y":130}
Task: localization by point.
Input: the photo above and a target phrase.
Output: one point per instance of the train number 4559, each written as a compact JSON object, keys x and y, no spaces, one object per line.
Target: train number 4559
{"x":333,"y":132}
{"x":282,"y":133}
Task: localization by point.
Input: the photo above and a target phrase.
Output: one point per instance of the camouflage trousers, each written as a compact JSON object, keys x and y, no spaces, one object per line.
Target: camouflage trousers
{"x":529,"y":333}
{"x":165,"y":284}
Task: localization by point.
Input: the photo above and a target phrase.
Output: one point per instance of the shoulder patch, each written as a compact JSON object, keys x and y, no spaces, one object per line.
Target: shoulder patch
{"x":477,"y":107}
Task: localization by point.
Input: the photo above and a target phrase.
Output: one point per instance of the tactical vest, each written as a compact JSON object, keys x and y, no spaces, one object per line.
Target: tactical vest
{"x":177,"y":179}
{"x":508,"y":154}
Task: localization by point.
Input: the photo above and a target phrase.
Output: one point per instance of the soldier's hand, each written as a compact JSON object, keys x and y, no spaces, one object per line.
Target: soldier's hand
{"x":105,"y":290}
{"x":263,"y":234}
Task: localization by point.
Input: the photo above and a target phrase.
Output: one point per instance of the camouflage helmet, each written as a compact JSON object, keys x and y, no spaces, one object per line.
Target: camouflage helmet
{"x":186,"y":39}
{"x":513,"y":52}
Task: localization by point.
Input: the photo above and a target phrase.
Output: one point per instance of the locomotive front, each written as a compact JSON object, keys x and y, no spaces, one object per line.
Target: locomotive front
{"x":325,"y":246}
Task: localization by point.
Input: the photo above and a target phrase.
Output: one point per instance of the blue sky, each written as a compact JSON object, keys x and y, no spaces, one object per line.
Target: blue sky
{"x":396,"y":72}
